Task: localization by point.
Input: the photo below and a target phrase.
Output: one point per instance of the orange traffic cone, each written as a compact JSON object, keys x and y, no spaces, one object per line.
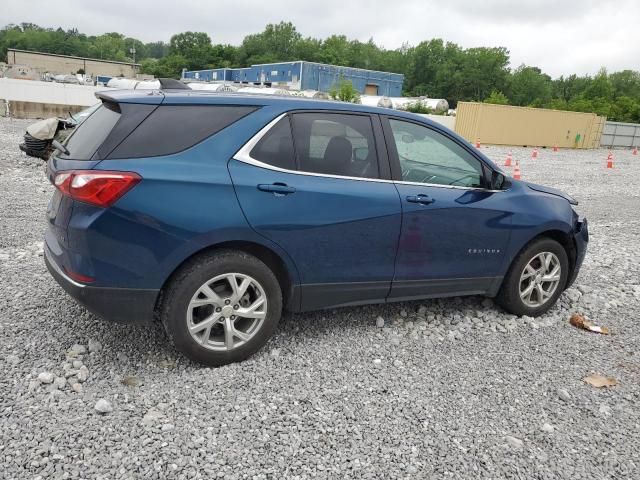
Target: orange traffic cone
{"x":635,"y":151}
{"x":534,"y":154}
{"x":507,"y":163}
{"x":516,"y":171}
{"x":555,"y":148}
{"x":610,"y":160}
{"x":477,"y":143}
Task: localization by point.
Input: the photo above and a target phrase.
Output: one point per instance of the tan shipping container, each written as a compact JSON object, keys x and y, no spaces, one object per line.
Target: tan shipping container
{"x":539,"y":127}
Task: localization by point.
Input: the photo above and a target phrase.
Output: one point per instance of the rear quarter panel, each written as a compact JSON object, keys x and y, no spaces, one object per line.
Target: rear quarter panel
{"x":185,"y":203}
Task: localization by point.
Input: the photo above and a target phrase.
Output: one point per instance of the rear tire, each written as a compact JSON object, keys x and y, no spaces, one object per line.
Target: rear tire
{"x":209,"y":320}
{"x":535,"y":279}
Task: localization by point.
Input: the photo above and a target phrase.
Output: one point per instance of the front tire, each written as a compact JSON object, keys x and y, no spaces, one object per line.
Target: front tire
{"x":222,"y":308}
{"x":536,"y":278}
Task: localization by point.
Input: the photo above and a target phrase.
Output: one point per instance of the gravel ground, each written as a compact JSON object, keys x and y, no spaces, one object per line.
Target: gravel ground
{"x":436,"y":389}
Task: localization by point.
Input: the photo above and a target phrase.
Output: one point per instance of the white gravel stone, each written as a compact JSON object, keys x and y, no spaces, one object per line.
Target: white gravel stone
{"x":547,"y":428}
{"x":379,"y":322}
{"x":564,"y":395}
{"x":94,"y":346}
{"x":103,"y":406}
{"x":605,"y":409}
{"x":60,"y":382}
{"x":12,"y":359}
{"x":46,"y":377}
{"x":83,"y":374}
{"x":152,"y":416}
{"x":514,"y":442}
{"x":78,"y":349}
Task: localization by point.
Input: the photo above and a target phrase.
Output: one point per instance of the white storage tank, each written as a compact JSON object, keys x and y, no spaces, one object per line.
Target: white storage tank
{"x":264,"y":91}
{"x":210,"y":87}
{"x":312,"y":94}
{"x":148,"y":85}
{"x":436,"y":104}
{"x":122,"y":83}
{"x":376,"y":101}
{"x":400,"y":103}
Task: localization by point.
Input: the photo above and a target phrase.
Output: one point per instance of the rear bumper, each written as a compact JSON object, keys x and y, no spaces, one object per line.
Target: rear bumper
{"x":121,"y":305}
{"x":581,"y":239}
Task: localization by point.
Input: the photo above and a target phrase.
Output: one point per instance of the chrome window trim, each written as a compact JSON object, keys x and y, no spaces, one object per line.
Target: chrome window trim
{"x":244,"y":155}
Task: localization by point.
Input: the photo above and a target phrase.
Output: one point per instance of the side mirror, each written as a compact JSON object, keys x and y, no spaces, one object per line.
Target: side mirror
{"x":497,"y":180}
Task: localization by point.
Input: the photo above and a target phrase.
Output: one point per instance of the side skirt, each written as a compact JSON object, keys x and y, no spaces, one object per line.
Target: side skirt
{"x":319,"y":296}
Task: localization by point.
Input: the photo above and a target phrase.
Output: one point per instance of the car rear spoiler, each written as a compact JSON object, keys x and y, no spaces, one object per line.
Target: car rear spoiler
{"x":116,"y":96}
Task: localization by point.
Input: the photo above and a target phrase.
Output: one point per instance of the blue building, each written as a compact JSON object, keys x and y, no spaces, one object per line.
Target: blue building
{"x":305,"y":76}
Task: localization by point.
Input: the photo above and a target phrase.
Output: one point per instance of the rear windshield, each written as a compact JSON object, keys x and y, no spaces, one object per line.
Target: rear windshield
{"x":173,"y":128}
{"x":90,"y":134}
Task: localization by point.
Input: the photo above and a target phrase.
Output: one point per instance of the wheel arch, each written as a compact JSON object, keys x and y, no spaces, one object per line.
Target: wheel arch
{"x":286,"y":278}
{"x":563,"y":238}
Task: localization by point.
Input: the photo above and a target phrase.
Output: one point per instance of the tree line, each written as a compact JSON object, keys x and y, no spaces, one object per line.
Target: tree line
{"x":434,"y":68}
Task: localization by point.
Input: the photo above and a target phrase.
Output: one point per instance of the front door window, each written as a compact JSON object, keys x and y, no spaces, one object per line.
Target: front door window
{"x":427,"y":156}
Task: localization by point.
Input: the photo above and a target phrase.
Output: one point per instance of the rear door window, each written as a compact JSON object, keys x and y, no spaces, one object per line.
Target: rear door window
{"x":90,"y":134}
{"x":276,"y":147}
{"x":335,"y":144}
{"x":173,"y":128}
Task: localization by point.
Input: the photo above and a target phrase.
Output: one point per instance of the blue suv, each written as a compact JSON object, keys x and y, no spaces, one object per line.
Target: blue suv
{"x":214,"y":212}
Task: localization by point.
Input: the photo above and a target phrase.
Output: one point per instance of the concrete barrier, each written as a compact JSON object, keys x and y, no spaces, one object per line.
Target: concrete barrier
{"x":19,"y":109}
{"x":35,"y":99}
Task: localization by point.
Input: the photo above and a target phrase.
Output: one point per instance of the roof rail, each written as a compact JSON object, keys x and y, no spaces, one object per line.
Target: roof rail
{"x":172,"y":84}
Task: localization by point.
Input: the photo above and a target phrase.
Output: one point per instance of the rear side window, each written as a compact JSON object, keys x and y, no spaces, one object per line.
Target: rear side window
{"x":276,"y":147}
{"x":173,"y":128}
{"x":90,"y":134}
{"x":335,"y":144}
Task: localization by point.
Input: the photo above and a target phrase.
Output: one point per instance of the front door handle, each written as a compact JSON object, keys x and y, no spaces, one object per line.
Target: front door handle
{"x":421,"y":199}
{"x":276,"y":188}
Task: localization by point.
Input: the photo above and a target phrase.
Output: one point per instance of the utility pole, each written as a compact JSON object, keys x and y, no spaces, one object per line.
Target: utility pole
{"x":132,"y":51}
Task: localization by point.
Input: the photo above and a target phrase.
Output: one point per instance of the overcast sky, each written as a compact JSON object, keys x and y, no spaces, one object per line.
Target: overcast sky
{"x":559,"y":36}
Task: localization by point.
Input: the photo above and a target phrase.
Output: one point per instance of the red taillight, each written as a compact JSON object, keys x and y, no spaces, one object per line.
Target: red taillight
{"x":98,"y":187}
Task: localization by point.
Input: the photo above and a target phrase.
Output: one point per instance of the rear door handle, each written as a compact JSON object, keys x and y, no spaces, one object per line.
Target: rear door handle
{"x":421,"y":199}
{"x":277,"y":188}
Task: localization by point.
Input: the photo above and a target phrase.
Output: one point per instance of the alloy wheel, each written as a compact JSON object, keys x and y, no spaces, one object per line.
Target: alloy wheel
{"x":540,"y":279}
{"x":227,"y":311}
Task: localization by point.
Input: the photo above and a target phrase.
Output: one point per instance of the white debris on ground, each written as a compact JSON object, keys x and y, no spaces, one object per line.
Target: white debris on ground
{"x":452,"y":388}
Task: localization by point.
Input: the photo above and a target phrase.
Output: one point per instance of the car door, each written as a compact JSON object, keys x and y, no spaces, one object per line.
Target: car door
{"x":312,"y":183}
{"x":454,"y":230}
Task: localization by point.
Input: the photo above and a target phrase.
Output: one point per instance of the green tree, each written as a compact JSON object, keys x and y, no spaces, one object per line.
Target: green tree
{"x":530,"y":87}
{"x":497,"y":98}
{"x":195,"y":47}
{"x":344,"y":91}
{"x":167,"y":67}
{"x":277,"y":43}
